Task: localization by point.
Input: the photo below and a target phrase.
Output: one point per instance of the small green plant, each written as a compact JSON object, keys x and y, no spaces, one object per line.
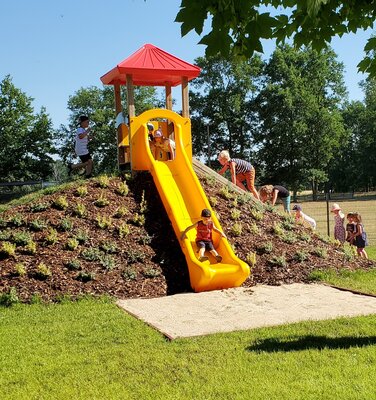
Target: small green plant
{"x":277,"y":229}
{"x":320,"y":252}
{"x":20,"y":269}
{"x":316,"y":276}
{"x":102,"y":201}
{"x":109,"y":247}
{"x":348,"y":252}
{"x":92,"y":254}
{"x":244,"y":198}
{"x":251,"y":259}
{"x":122,"y":189}
{"x":235,"y":201}
{"x":61,"y":203}
{"x":52,"y":236}
{"x":324,"y":238}
{"x":145,"y":239}
{"x":237,"y":229}
{"x":150,"y":272}
{"x":80,"y":210}
{"x":213,"y":201}
{"x":253,"y":228}
{"x":10,"y":298}
{"x":81,"y":191}
{"x":3,"y":222}
{"x":123,"y":230}
{"x":301,"y":256}
{"x":139,"y":219}
{"x":38,"y":224}
{"x":289,"y":237}
{"x":5,"y":235}
{"x":43,"y":271}
{"x":31,"y":248}
{"x":22,"y":238}
{"x":134,"y":256}
{"x":38,"y":207}
{"x":129,"y":274}
{"x":103,"y":181}
{"x":305,"y":237}
{"x":82,"y":236}
{"x":72,"y":244}
{"x":107,"y":261}
{"x":288,"y":224}
{"x":16,"y":220}
{"x":104,"y":222}
{"x":85,"y":276}
{"x":73,"y":265}
{"x":235,"y":214}
{"x":265,"y":248}
{"x":225,"y":192}
{"x":66,"y":224}
{"x":210,"y":180}
{"x":121,"y":212}
{"x":279,"y":261}
{"x":256,"y":214}
{"x":143,"y":204}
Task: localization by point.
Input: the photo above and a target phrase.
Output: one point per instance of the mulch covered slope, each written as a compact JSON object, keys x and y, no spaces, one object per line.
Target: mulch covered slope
{"x":105,"y":242}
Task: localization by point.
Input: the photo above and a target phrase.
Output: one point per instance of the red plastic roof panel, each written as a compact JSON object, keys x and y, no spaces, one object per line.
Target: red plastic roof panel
{"x":151,"y":66}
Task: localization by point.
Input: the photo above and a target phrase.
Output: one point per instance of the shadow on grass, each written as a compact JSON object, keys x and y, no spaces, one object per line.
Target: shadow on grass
{"x":312,"y":342}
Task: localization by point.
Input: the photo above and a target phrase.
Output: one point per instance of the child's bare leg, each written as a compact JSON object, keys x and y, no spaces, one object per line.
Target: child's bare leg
{"x":89,"y":167}
{"x":216,"y":255}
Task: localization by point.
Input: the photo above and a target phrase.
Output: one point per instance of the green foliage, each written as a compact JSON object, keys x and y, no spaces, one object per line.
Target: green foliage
{"x":5,"y":235}
{"x":251,"y":259}
{"x":22,"y":238}
{"x":85,"y":276}
{"x":82,"y":236}
{"x":138,"y":219}
{"x":253,"y":228}
{"x":265,"y":248}
{"x":213,"y":201}
{"x":225,"y":192}
{"x":103,"y":181}
{"x":72,"y":244}
{"x":7,"y":249}
{"x":256,"y":214}
{"x":38,"y":224}
{"x":66,"y":224}
{"x":123,"y":230}
{"x":121,"y":212}
{"x":301,"y":256}
{"x":279,"y":261}
{"x":61,"y":203}
{"x":122,"y":189}
{"x":102,"y":201}
{"x":31,"y":247}
{"x":16,"y":220}
{"x":81,"y":191}
{"x":52,"y":236}
{"x":150,"y":272}
{"x":20,"y":269}
{"x":237,"y":229}
{"x":320,"y":252}
{"x":129,"y":274}
{"x":26,"y":137}
{"x":80,"y":210}
{"x":73,"y":265}
{"x":43,"y":271}
{"x":10,"y":298}
{"x":38,"y":207}
{"x":289,"y":237}
{"x":107,"y":261}
{"x":134,"y":256}
{"x":235,"y":214}
{"x":104,"y":222}
{"x":237,"y":27}
{"x":91,"y":254}
{"x":143,"y":204}
{"x":109,"y":247}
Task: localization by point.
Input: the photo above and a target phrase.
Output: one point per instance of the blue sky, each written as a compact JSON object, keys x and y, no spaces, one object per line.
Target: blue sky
{"x":52,"y":48}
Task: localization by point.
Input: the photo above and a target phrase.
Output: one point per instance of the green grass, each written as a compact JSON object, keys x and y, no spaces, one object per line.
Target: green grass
{"x":93,"y":350}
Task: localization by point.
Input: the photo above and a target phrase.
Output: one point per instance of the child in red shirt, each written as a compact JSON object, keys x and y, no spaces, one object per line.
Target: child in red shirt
{"x":204,"y":239}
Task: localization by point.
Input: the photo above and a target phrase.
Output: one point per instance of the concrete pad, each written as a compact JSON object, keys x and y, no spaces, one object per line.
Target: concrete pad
{"x":195,"y":314}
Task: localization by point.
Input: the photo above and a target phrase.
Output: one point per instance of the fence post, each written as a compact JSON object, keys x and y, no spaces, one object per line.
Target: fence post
{"x":327,"y":212}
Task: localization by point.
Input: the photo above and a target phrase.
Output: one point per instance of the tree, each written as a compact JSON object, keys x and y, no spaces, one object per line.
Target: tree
{"x":220,"y":100}
{"x":26,"y":139}
{"x":99,"y":105}
{"x":300,"y":125}
{"x":238,"y":26}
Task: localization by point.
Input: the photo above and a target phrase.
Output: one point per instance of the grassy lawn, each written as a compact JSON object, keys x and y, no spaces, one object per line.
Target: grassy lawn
{"x":93,"y":350}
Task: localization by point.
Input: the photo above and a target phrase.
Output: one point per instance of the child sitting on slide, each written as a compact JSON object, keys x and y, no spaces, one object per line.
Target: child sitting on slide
{"x":204,"y":239}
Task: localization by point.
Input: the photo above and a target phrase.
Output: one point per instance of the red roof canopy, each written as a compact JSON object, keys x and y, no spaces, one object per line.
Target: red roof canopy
{"x":151,"y":66}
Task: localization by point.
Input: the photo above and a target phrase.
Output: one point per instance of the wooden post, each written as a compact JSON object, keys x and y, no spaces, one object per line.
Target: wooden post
{"x":119,"y":109}
{"x":185,"y":97}
{"x":168,"y":97}
{"x":131,"y":113}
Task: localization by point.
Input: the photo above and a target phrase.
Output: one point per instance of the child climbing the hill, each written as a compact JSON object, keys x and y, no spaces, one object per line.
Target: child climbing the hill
{"x":164,"y":144}
{"x":204,"y":239}
{"x":360,"y":236}
{"x":339,"y":218}
{"x":81,"y":147}
{"x":350,"y":229}
{"x":241,"y":171}
{"x":272,"y":193}
{"x":301,"y":217}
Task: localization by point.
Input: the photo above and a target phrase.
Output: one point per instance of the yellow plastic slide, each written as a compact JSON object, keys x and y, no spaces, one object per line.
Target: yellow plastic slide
{"x":183,"y":199}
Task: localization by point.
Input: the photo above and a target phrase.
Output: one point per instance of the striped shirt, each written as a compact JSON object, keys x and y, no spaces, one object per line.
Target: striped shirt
{"x":241,"y":166}
{"x":81,"y":144}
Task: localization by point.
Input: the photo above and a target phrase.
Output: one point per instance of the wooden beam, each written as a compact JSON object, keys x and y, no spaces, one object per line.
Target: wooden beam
{"x":119,"y":109}
{"x":168,"y":97}
{"x":185,"y":97}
